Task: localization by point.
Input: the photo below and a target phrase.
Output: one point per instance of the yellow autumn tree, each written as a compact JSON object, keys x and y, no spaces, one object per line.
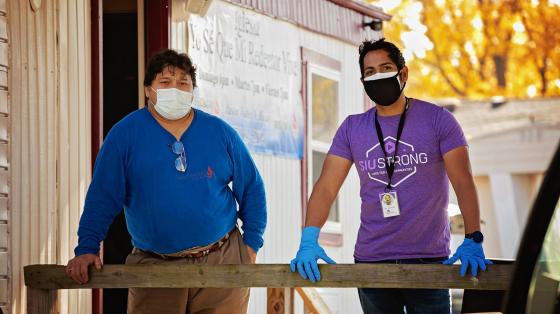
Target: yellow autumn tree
{"x":478,"y":48}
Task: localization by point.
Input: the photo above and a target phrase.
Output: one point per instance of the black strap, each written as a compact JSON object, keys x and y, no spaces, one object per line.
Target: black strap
{"x":390,"y":162}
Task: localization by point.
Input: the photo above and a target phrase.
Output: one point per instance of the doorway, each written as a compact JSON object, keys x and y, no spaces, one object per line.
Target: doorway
{"x":120,"y":97}
{"x":124,"y":34}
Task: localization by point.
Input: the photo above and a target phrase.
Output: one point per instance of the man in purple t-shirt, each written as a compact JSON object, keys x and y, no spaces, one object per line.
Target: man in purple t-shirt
{"x":404,"y":151}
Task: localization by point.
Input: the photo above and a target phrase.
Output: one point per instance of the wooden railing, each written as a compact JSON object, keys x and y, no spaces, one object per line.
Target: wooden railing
{"x":43,"y":281}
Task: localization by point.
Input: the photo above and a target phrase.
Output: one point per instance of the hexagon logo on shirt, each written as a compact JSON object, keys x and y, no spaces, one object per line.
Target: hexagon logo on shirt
{"x":406,"y":161}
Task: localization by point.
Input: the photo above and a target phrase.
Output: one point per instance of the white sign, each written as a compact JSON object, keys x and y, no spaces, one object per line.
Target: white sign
{"x":249,"y":74}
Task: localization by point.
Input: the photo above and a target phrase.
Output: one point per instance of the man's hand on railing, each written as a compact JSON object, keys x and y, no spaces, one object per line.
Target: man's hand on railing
{"x":308,"y":254}
{"x":252,"y":254}
{"x":470,"y":253}
{"x":77,"y":268}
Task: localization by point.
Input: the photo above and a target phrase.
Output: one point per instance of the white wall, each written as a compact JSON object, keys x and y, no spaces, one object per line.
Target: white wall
{"x":492,"y":243}
{"x":512,"y":196}
{"x":281,"y":238}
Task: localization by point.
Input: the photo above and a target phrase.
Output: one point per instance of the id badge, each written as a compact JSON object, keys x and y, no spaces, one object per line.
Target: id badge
{"x":389,"y":204}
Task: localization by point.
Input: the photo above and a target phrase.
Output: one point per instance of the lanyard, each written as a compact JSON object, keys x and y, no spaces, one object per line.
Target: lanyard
{"x":390,"y":162}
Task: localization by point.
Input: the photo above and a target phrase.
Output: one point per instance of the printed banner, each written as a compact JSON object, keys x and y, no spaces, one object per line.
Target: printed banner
{"x":249,"y":74}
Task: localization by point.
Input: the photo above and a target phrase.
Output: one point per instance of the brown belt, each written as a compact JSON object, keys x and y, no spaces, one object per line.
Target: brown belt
{"x":193,"y":253}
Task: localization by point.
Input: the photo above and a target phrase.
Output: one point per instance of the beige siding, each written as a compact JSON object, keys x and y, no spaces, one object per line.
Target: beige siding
{"x":74,"y":135}
{"x":5,"y":222}
{"x":281,"y":239}
{"x":50,"y":134}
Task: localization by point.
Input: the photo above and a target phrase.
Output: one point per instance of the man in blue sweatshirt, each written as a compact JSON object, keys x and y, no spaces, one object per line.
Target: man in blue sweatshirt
{"x":169,"y":166}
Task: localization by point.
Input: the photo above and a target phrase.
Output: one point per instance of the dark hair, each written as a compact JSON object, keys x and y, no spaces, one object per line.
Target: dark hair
{"x":393,"y":51}
{"x":170,"y":58}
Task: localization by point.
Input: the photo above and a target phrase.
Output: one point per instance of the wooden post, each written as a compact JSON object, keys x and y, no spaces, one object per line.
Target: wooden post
{"x":312,"y":301}
{"x":41,"y":301}
{"x":280,"y":301}
{"x":289,"y":294}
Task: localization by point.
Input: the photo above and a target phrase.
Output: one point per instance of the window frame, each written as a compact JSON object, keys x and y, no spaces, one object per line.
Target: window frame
{"x":317,"y":145}
{"x":316,"y":63}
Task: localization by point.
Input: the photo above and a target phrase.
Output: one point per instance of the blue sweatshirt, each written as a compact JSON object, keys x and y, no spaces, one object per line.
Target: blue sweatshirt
{"x":166,"y":210}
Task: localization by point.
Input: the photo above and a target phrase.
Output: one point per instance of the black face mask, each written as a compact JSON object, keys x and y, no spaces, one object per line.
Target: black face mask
{"x":384,"y":92}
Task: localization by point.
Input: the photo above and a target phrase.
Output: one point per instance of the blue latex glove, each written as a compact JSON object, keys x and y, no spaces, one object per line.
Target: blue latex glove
{"x":308,"y":254}
{"x":470,"y":253}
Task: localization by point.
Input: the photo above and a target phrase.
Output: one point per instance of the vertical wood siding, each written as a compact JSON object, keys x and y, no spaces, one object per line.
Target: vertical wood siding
{"x":49,"y":138}
{"x":5,"y":221}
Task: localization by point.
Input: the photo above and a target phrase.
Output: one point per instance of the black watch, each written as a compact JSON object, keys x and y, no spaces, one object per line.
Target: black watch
{"x":476,"y":236}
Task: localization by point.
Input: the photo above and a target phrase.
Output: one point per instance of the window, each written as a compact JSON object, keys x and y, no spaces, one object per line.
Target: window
{"x":323,"y":121}
{"x":544,"y":292}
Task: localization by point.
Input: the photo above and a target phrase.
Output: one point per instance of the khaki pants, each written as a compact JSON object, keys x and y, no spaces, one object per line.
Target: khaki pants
{"x":192,"y":300}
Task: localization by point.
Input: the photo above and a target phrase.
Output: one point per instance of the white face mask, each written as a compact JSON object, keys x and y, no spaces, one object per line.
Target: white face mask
{"x":172,"y":103}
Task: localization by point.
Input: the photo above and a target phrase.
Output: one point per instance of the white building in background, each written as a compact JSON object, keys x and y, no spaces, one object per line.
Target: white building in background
{"x":511,"y":144}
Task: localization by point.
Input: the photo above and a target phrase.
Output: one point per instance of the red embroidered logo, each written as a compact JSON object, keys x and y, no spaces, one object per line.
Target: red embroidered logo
{"x":210,"y":172}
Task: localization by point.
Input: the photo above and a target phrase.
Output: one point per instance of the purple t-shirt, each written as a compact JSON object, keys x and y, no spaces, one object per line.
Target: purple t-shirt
{"x":420,"y":179}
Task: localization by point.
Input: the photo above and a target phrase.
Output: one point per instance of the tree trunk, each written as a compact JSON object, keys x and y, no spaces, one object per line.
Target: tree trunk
{"x":542,"y":74}
{"x":500,"y":65}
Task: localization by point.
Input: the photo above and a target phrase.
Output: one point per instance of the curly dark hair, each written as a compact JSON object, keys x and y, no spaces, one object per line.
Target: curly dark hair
{"x":393,"y":51}
{"x":169,"y":58}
